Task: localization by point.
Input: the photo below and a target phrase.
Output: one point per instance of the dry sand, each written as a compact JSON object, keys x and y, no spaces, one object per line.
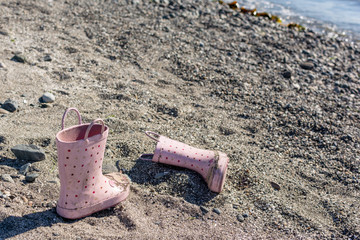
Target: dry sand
{"x":284,"y":105}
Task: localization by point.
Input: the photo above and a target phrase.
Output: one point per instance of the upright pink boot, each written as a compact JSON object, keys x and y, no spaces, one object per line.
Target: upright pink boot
{"x":84,"y":189}
{"x":212,"y":165}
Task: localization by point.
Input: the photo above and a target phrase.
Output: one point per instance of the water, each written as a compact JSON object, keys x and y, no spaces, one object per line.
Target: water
{"x":336,"y":18}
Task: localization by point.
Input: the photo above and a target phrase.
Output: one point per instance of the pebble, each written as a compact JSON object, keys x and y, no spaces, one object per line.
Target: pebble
{"x":47,"y":58}
{"x":275,"y":185}
{"x":160,"y":175}
{"x":7,"y":178}
{"x":45,"y":105}
{"x":296,"y":86}
{"x":18,"y":58}
{"x":3,"y":195}
{"x":286,"y":74}
{"x":25,"y":200}
{"x":10,"y":105}
{"x":2,"y":65}
{"x":31,"y":177}
{"x":3,"y":111}
{"x":28,"y":152}
{"x":51,"y":204}
{"x":307,"y":65}
{"x":24,"y":169}
{"x":245,"y":215}
{"x":240,"y":218}
{"x":48,"y":97}
{"x":217,"y":211}
{"x":204,"y":209}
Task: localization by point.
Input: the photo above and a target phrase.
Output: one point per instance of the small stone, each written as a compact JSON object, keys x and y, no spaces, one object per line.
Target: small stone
{"x":204,"y":209}
{"x":160,"y":175}
{"x":51,"y":204}
{"x":305,"y":52}
{"x":30,"y":203}
{"x":31,"y":177}
{"x":10,"y":105}
{"x":275,"y":186}
{"x":24,"y":169}
{"x":48,"y":97}
{"x":2,"y":65}
{"x":3,"y":111}
{"x":307,"y":65}
{"x":47,"y":58}
{"x":55,"y":181}
{"x":4,"y":32}
{"x":18,"y":58}
{"x":286,"y":74}
{"x":296,"y":86}
{"x":28,"y":152}
{"x":3,"y":195}
{"x":45,"y":105}
{"x":245,"y":215}
{"x":25,"y":200}
{"x":7,"y":178}
{"x":217,"y":211}
{"x":240,"y":218}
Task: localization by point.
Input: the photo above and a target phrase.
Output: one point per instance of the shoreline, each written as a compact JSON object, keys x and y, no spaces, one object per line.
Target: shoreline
{"x":282,"y":104}
{"x":319,"y":26}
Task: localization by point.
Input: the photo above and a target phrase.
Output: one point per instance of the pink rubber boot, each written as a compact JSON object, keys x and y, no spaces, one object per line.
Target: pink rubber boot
{"x":84,"y":189}
{"x":212,"y":165}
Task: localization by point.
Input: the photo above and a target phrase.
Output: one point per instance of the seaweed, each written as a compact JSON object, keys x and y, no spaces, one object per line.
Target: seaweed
{"x":235,"y":6}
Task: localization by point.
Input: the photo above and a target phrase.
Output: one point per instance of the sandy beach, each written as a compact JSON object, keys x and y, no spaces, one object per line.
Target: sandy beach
{"x":283,"y":104}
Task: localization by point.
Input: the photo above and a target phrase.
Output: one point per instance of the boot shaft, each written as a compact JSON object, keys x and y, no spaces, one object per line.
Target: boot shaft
{"x":176,"y":153}
{"x":80,"y":163}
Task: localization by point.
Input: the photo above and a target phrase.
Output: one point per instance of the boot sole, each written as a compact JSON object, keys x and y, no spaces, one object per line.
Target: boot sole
{"x":216,"y":184}
{"x":84,"y":212}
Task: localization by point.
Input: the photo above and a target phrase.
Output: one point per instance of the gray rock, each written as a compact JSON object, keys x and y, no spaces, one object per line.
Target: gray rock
{"x":204,"y":209}
{"x":28,"y":152}
{"x":286,"y":74}
{"x":3,"y":195}
{"x":10,"y":105}
{"x":240,"y":218}
{"x":160,"y":175}
{"x":24,"y":169}
{"x":31,"y":177}
{"x":47,"y":58}
{"x":48,"y":97}
{"x":305,"y":52}
{"x":245,"y":215}
{"x":307,"y":65}
{"x":217,"y":211}
{"x":4,"y":32}
{"x":7,"y":178}
{"x":18,"y":58}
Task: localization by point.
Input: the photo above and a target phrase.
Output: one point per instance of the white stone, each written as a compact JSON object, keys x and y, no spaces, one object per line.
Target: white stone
{"x":48,"y":97}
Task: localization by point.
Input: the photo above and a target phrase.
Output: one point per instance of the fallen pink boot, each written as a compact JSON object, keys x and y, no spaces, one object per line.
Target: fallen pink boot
{"x":212,"y":165}
{"x":84,"y":189}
